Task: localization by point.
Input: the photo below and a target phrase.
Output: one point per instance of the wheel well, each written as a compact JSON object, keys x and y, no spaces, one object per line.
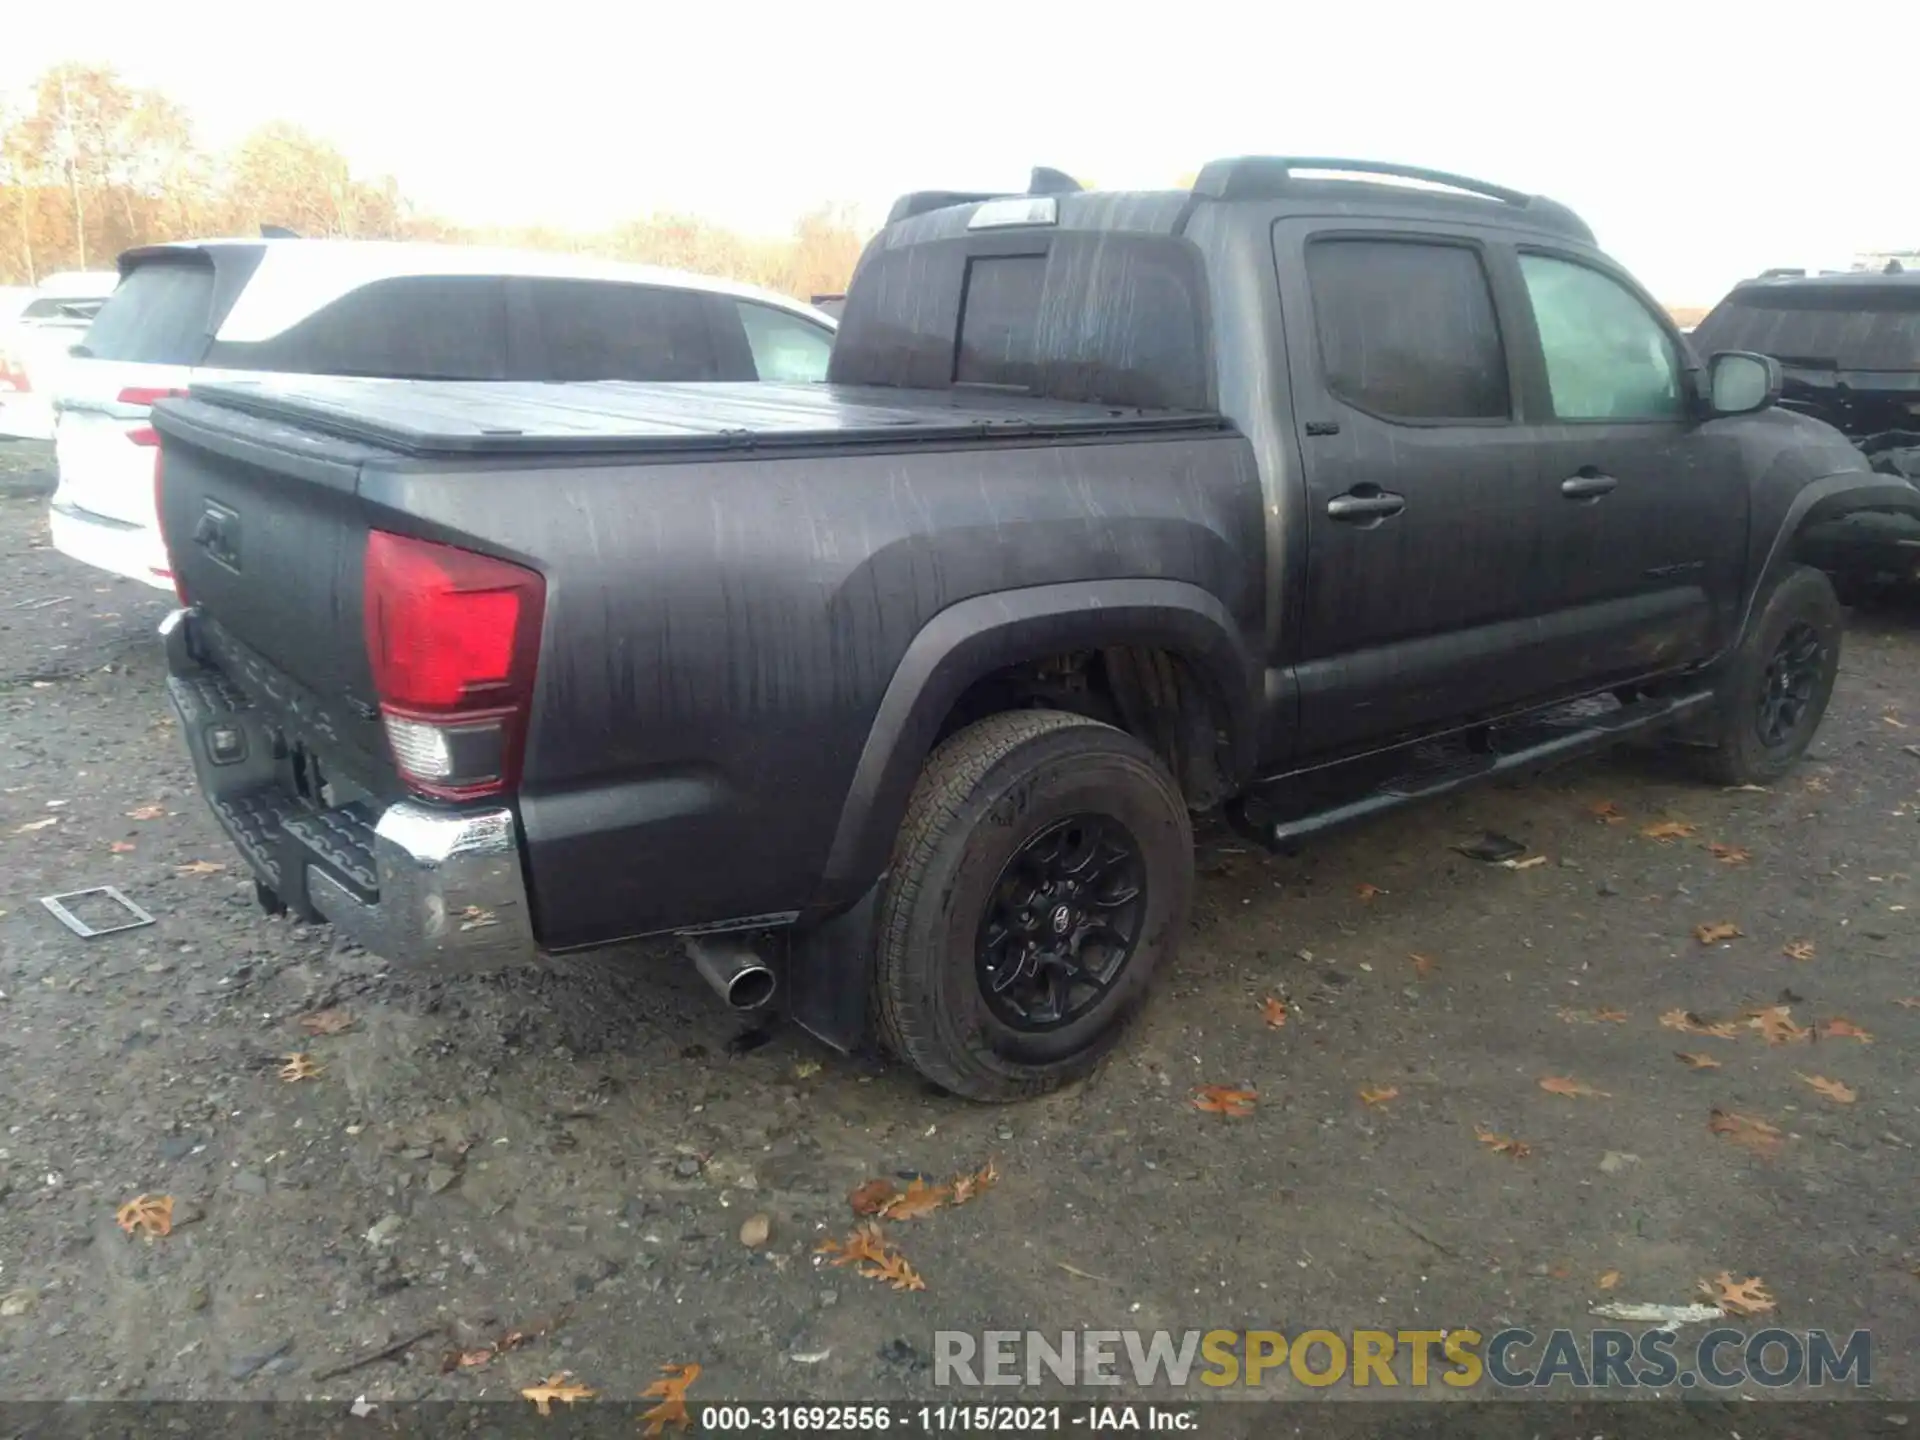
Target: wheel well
{"x":1155,"y":695}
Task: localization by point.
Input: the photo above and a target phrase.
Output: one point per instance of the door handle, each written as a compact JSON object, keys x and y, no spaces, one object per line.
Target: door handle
{"x":1355,"y":509}
{"x":1587,"y":487}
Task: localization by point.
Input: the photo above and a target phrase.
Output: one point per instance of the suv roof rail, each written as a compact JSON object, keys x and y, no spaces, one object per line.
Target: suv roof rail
{"x":1044,"y":181}
{"x":1266,"y":177}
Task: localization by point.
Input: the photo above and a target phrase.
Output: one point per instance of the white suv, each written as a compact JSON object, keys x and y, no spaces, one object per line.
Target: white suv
{"x":211,"y":308}
{"x":34,"y":336}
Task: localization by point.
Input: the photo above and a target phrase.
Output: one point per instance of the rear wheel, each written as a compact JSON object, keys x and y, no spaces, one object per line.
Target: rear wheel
{"x":1778,"y":682}
{"x":1042,"y":874}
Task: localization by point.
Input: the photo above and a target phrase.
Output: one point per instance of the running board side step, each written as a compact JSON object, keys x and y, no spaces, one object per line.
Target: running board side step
{"x":1273,"y":813}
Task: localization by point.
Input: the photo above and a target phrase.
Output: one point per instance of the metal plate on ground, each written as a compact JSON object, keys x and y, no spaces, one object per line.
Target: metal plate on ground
{"x":56,"y":905}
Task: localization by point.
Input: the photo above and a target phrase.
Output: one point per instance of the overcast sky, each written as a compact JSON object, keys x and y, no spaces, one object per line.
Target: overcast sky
{"x":1702,"y":139}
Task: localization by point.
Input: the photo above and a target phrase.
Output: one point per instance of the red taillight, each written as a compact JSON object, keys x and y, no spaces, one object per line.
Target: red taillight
{"x":144,"y":435}
{"x":452,"y":639}
{"x":147,"y":394}
{"x":13,"y":375}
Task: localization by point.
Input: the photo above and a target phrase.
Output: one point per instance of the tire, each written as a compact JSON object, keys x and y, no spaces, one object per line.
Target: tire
{"x":1752,"y":747}
{"x":1002,"y":803}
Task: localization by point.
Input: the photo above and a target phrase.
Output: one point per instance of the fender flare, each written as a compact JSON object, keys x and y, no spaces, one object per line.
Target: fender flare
{"x":975,"y":637}
{"x":1828,"y":498}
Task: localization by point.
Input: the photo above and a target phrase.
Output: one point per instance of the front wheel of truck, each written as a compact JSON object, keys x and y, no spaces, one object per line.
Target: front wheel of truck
{"x":1777,"y":683}
{"x":1042,"y":874}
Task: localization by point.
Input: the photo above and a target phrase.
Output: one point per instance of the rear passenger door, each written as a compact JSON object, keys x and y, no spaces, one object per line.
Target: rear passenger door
{"x":598,"y":330}
{"x":1421,"y":516}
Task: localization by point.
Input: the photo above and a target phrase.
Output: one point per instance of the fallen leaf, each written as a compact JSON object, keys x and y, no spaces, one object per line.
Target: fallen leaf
{"x":1600,"y":1015}
{"x":671,"y":1392}
{"x":326,"y":1022}
{"x":871,"y":1256}
{"x":1504,"y":1144}
{"x":1713,"y":934}
{"x":1816,"y":783}
{"x":200,"y":867}
{"x":1890,"y":720}
{"x":1423,"y":965}
{"x":36,"y":825}
{"x":918,"y":1199}
{"x":1366,"y":891}
{"x":299,"y":1067}
{"x":555,"y":1387}
{"x":1775,"y":1022}
{"x":975,"y":1183}
{"x":1224,"y":1100}
{"x":1668,"y":830}
{"x":147,"y":812}
{"x":1839,"y":1029}
{"x":1757,"y":1135}
{"x":1834,"y":1090}
{"x":1798,"y":950}
{"x":806,"y":1069}
{"x":894,"y":1269}
{"x":124,"y":847}
{"x":1730,"y":854}
{"x":1693,"y":1024}
{"x":1606,"y":812}
{"x":150,"y":1215}
{"x":1527,"y":864}
{"x":1908,"y":1002}
{"x":1567,"y":1085}
{"x":872,"y":1197}
{"x":1738,"y":1297}
{"x":1372,"y":1095}
{"x":1609,"y":1280}
{"x":1697,"y":1061}
{"x":754,"y":1231}
{"x":469,"y":1359}
{"x":1274,"y":1012}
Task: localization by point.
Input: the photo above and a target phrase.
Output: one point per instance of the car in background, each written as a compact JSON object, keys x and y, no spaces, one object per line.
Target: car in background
{"x":219,"y":308}
{"x":34,"y":339}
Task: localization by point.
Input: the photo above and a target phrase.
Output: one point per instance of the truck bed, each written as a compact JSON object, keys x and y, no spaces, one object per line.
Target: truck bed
{"x":524,"y":419}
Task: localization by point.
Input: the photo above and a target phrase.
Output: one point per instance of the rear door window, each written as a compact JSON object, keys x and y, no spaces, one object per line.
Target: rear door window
{"x":409,"y":327}
{"x":786,"y":348}
{"x":601,"y":330}
{"x":161,"y":314}
{"x":1407,"y":329}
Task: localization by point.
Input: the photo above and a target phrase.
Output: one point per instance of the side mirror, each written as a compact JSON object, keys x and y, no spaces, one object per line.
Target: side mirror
{"x":1739,"y":383}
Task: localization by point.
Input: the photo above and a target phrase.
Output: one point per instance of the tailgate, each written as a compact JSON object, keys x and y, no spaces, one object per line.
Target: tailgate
{"x":267,"y":539}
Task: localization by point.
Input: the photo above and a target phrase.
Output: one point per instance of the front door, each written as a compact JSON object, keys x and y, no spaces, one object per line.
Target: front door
{"x":1647,"y":537}
{"x":1422,"y":503}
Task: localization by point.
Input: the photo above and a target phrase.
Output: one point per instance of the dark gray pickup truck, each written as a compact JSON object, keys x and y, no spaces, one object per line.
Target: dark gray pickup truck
{"x":1308,"y":492}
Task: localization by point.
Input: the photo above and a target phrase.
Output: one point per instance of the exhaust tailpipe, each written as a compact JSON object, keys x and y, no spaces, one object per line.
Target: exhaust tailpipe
{"x":735,"y":971}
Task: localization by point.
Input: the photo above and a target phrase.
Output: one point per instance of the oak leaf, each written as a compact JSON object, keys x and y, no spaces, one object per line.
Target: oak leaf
{"x":1378,"y":1095}
{"x":200,"y":867}
{"x":1698,"y":1061}
{"x":326,"y":1022}
{"x":1738,"y":1297}
{"x":1715,"y":932}
{"x":1834,"y":1090}
{"x":1224,"y":1100}
{"x":1423,"y":965}
{"x":555,"y":1387}
{"x":1606,"y":812}
{"x":1798,"y":950}
{"x":469,"y":1359}
{"x":299,"y":1066}
{"x":147,"y":812}
{"x":1568,"y":1086}
{"x":671,"y":1391}
{"x":148,"y":1215}
{"x":1775,"y":1022}
{"x":1730,"y":854}
{"x":1844,"y":1030}
{"x":862,"y":1245}
{"x":1274,"y":1012}
{"x":1692,"y":1024}
{"x":1504,"y":1144}
{"x":872,"y":1197}
{"x":918,"y":1199}
{"x":1668,"y":830}
{"x":1756,"y":1135}
{"x":972,"y":1184}
{"x":893,"y":1268}
{"x":1609,"y":1280}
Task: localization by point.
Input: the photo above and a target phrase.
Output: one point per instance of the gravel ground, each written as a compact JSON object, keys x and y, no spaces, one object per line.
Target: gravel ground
{"x":580,"y":1147}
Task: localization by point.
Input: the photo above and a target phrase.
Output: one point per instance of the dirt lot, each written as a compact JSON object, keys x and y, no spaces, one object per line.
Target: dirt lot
{"x":586,"y":1144}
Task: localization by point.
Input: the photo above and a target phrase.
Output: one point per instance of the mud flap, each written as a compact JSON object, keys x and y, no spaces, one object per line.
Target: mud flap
{"x":830,"y":975}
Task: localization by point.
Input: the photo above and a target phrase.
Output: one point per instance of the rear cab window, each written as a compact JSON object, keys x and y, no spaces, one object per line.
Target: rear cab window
{"x":161,"y":314}
{"x":1407,"y":329}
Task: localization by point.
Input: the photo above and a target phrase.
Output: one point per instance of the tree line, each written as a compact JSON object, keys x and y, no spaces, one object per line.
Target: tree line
{"x":90,"y":166}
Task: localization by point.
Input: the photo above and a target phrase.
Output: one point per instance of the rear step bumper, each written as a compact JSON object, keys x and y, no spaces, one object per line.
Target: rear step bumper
{"x":441,"y":889}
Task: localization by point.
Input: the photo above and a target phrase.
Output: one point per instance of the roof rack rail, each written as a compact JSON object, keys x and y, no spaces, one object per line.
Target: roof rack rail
{"x":1044,"y":181}
{"x":1250,"y":177}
